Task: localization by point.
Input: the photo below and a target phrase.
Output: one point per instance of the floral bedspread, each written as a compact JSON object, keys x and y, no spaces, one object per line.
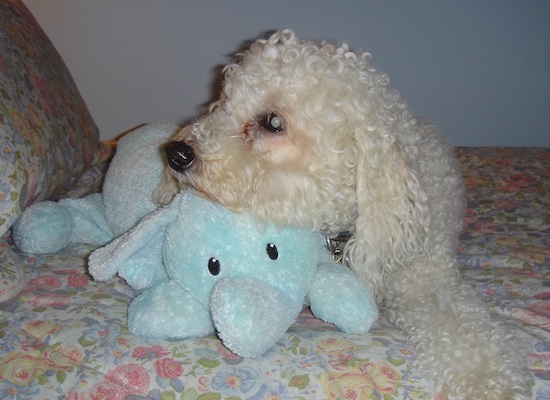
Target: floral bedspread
{"x":65,"y":336}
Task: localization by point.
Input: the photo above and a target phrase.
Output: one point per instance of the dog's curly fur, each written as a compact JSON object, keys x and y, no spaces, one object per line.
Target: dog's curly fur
{"x":310,"y":134}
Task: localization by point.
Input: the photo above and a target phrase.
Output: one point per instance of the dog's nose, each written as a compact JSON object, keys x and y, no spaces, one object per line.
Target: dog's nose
{"x":180,"y":156}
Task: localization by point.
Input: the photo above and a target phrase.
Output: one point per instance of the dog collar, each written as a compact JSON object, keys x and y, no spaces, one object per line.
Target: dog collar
{"x":336,"y":244}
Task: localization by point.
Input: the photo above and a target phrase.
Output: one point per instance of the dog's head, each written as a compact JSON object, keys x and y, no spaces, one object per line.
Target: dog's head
{"x":303,"y":134}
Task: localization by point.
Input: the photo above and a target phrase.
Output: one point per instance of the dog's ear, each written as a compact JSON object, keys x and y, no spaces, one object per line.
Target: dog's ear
{"x":392,"y":211}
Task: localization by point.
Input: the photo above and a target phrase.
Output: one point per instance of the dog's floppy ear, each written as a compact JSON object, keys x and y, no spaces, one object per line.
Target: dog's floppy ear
{"x":392,"y":211}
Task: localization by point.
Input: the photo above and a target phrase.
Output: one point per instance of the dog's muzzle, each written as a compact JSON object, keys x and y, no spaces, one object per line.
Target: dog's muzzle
{"x":180,"y":156}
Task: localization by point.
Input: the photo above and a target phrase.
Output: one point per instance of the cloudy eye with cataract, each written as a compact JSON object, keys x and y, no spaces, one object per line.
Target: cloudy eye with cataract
{"x":272,"y":122}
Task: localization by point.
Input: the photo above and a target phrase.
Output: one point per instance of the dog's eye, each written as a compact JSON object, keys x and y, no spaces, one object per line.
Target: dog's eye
{"x":272,"y":251}
{"x":272,"y":122}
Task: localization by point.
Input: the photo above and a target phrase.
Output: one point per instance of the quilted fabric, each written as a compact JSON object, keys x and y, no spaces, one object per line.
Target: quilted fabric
{"x":47,"y":136}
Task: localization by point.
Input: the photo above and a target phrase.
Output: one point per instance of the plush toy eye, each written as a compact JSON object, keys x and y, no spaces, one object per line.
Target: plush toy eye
{"x":272,"y":122}
{"x":272,"y":251}
{"x":214,"y":266}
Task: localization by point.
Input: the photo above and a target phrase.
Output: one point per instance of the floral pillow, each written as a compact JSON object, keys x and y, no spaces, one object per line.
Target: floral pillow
{"x":47,"y":136}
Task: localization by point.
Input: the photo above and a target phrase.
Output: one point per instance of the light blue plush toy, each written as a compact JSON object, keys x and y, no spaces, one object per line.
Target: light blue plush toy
{"x":222,"y":272}
{"x":199,"y":267}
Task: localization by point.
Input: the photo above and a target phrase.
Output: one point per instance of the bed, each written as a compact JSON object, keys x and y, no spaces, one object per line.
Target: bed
{"x":63,"y":335}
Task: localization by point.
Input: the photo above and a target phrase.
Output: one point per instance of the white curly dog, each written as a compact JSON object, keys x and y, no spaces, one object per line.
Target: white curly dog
{"x":311,"y":134}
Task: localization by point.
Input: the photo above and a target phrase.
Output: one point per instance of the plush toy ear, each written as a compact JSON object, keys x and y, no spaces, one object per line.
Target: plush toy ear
{"x":108,"y":260}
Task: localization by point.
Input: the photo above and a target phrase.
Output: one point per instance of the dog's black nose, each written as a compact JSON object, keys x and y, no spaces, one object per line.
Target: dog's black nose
{"x":180,"y":156}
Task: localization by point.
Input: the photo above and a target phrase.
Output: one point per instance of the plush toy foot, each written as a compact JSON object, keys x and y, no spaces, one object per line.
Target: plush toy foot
{"x":89,"y":223}
{"x":47,"y":227}
{"x":250,"y":316}
{"x":44,"y":227}
{"x":166,"y":311}
{"x":338,"y":297}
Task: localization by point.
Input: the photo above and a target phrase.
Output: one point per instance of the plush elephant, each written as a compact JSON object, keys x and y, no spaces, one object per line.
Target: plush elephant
{"x":222,"y":272}
{"x":199,"y":267}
